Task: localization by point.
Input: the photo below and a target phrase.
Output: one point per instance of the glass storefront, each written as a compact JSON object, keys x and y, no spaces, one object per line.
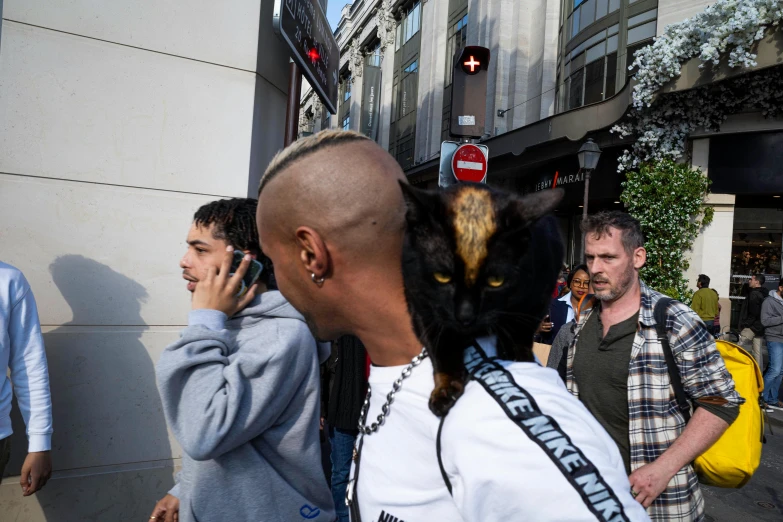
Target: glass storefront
{"x":756,"y":248}
{"x":748,"y":166}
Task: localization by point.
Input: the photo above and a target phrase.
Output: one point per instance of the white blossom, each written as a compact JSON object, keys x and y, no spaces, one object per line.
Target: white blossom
{"x":731,"y":26}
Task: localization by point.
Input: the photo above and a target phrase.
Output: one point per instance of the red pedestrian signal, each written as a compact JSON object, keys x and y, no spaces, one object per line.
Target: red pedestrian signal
{"x":473,"y":64}
{"x":469,"y":92}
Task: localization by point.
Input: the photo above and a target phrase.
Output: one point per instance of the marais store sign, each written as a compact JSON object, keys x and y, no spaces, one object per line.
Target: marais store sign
{"x":559,"y":180}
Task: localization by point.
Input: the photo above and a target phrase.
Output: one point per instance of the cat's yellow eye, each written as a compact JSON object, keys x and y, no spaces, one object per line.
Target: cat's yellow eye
{"x":495,"y":281}
{"x":442,"y":278}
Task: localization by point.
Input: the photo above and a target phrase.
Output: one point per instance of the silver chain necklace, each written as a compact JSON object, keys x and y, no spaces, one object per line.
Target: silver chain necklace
{"x":364,"y":429}
{"x":369,"y":430}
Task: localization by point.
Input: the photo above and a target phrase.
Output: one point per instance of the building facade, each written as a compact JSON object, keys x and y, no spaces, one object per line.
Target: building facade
{"x":117,"y":121}
{"x":403,"y":51}
{"x":559,"y":73}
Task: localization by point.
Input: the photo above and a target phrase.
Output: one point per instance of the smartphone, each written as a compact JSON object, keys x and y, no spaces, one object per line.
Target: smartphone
{"x":252,"y":274}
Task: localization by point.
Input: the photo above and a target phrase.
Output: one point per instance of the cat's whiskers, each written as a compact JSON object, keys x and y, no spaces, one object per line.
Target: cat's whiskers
{"x":426,"y":334}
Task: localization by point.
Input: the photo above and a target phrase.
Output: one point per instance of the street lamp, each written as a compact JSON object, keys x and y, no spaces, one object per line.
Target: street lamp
{"x":588,"y":154}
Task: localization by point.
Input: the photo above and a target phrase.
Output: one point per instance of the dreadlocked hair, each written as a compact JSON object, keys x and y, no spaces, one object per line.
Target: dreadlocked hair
{"x":234,"y":221}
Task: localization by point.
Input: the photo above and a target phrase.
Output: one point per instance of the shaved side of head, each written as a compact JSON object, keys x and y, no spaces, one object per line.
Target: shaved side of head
{"x":341,"y":184}
{"x":331,"y":216}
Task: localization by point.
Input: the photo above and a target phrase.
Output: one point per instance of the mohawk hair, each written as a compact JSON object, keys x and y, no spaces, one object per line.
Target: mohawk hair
{"x":304,"y":147}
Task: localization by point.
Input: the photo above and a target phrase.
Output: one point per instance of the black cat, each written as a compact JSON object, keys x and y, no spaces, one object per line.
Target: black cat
{"x":476,"y":262}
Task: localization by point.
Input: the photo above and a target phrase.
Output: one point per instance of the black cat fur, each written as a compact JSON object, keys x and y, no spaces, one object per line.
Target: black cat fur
{"x":475,"y":234}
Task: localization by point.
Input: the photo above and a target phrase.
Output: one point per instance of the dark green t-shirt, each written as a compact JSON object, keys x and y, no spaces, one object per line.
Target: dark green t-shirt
{"x":601,"y":373}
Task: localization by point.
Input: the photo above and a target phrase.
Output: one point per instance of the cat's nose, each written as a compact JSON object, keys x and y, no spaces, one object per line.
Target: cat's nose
{"x":465,"y":314}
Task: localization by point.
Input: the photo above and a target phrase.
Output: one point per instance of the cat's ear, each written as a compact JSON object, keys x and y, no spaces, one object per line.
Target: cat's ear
{"x":526,"y":210}
{"x":421,"y":204}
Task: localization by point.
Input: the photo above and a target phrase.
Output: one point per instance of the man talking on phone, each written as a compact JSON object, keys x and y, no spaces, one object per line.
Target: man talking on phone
{"x":241,"y":387}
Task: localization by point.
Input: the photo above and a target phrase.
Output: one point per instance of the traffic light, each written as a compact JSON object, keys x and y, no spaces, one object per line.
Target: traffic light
{"x":469,"y":92}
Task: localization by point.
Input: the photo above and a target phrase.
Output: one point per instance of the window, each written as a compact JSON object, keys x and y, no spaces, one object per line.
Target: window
{"x":344,"y":99}
{"x":575,"y":19}
{"x":587,"y":16}
{"x":345,"y":95}
{"x":405,"y":84}
{"x":595,"y":52}
{"x":575,"y":89}
{"x":404,"y":155}
{"x":588,"y":11}
{"x":652,"y":14}
{"x":611,"y":75}
{"x":601,"y":7}
{"x":346,"y":124}
{"x":395,"y":95}
{"x":458,"y":35}
{"x":411,"y":23}
{"x":595,"y":76}
{"x":611,"y":44}
{"x":642,"y":26}
{"x":642,"y":32}
{"x":594,"y":81}
{"x":409,"y":88}
{"x":596,"y":64}
{"x":373,"y":59}
{"x":598,"y":37}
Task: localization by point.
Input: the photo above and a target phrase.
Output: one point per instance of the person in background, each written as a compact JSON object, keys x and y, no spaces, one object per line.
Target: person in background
{"x":343,"y":398}
{"x":751,"y":329}
{"x":558,"y":354}
{"x":241,"y":387}
{"x":772,"y":319}
{"x":561,"y":285}
{"x":562,"y":310}
{"x":616,"y":367}
{"x":705,"y":302}
{"x":22,"y":351}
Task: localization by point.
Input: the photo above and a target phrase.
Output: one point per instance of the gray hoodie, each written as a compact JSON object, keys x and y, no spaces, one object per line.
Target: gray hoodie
{"x":242,"y":397}
{"x":772,"y":317}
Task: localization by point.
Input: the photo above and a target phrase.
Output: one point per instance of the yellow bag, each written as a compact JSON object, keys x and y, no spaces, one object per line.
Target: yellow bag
{"x":733,"y":459}
{"x":735,"y":456}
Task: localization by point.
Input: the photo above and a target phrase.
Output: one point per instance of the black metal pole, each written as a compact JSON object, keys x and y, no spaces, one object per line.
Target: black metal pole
{"x":584,"y":208}
{"x":292,"y":109}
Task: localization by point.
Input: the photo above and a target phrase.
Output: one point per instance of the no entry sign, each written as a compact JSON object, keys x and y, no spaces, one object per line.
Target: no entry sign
{"x":469,"y":163}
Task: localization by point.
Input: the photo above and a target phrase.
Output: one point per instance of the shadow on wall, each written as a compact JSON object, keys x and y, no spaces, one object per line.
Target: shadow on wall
{"x":110,"y":448}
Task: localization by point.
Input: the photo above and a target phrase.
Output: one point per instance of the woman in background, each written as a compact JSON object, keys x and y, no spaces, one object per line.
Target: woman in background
{"x":561,"y":311}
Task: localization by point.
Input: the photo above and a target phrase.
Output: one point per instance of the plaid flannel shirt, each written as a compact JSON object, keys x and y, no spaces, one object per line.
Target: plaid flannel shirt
{"x":654,"y":420}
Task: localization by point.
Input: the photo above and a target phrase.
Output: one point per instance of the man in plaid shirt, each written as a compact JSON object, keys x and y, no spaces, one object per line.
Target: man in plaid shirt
{"x":617,"y":368}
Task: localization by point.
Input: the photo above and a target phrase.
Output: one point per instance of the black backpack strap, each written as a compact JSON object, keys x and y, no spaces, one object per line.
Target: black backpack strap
{"x":440,"y":460}
{"x":674,"y":373}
